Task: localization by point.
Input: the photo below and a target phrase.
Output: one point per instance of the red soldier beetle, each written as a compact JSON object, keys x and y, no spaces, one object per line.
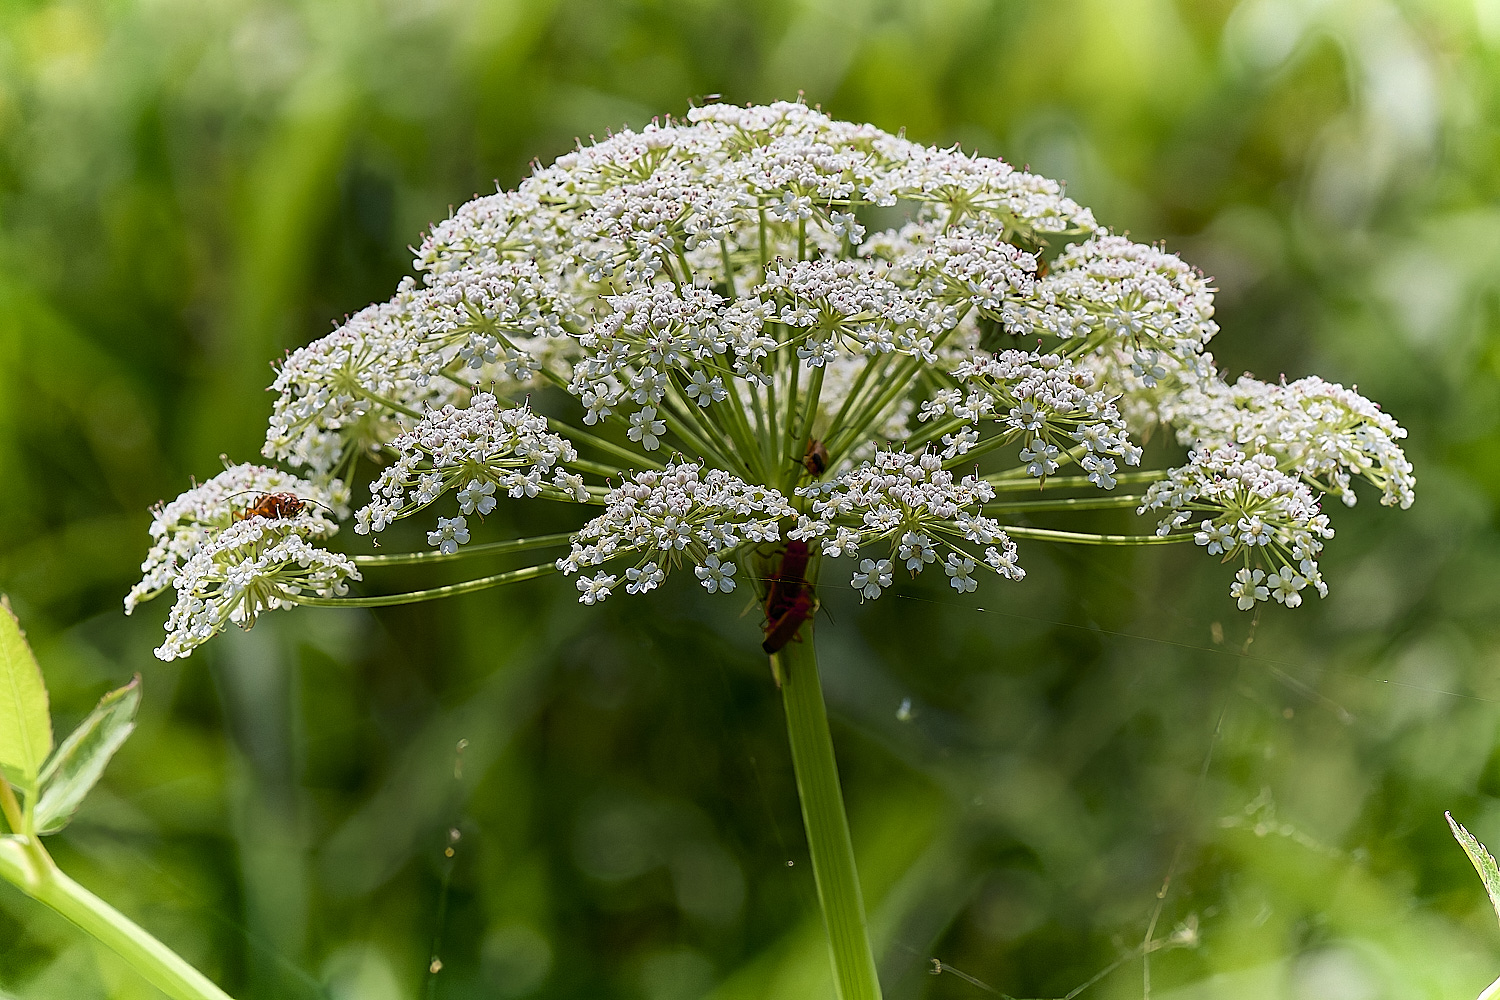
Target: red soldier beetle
{"x":789,"y":599}
{"x":273,"y":506}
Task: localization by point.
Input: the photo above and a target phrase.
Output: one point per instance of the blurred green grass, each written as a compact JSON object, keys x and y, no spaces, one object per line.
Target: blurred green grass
{"x":189,"y":188}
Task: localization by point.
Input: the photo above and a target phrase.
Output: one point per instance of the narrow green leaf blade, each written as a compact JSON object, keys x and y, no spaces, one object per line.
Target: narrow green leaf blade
{"x":25,"y":725}
{"x":1484,"y":864}
{"x":76,"y":766}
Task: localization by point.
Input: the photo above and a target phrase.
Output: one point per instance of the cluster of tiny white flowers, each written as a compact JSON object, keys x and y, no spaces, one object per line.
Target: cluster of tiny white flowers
{"x":1045,"y":401}
{"x":1241,"y":507}
{"x":1110,"y":292}
{"x":650,"y":334}
{"x":347,"y":394}
{"x":681,"y":512}
{"x":831,"y":304}
{"x":254,"y":565}
{"x":181,"y":528}
{"x":332,"y":395}
{"x":1151,"y":399}
{"x":629,"y":229}
{"x":975,"y":267}
{"x":488,"y":443}
{"x":1026,"y":206}
{"x":722,"y":289}
{"x":1315,"y":429}
{"x":493,"y":314}
{"x":787,"y":149}
{"x":488,"y":230}
{"x":509,"y":278}
{"x":912,"y":502}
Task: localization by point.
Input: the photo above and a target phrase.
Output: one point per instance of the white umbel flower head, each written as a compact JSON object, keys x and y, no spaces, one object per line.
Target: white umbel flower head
{"x":1246,"y":509}
{"x":254,"y":565}
{"x":1314,"y":429}
{"x":680,"y":513}
{"x":181,"y":528}
{"x":916,"y":507}
{"x":759,"y":339}
{"x":485,"y":445}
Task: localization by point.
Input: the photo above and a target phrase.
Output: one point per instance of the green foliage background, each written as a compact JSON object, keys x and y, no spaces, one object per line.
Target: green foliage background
{"x":189,"y":187}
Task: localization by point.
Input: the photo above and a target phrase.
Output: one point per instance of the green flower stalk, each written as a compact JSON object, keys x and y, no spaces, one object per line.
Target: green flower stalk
{"x":711,"y":340}
{"x":41,"y":785}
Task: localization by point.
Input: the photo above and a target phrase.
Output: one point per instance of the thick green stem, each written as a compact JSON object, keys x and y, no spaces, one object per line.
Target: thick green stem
{"x":823,"y":814}
{"x":35,"y":874}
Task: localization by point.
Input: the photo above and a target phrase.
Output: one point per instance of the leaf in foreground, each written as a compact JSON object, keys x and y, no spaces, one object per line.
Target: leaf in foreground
{"x":25,"y":725}
{"x":82,"y":757}
{"x":1484,"y":864}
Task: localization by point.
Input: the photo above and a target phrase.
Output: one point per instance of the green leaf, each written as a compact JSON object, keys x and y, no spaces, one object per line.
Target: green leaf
{"x":1484,"y":864}
{"x":81,"y":759}
{"x":25,"y":726}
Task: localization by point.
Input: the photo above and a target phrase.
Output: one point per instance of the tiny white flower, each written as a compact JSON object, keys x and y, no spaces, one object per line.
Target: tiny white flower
{"x":592,"y":590}
{"x":704,"y":390}
{"x":1218,"y":537}
{"x":716,"y":575}
{"x":792,"y":206}
{"x":642,"y":269}
{"x":960,"y":443}
{"x":872,"y":577}
{"x":916,"y":549}
{"x":600,"y":266}
{"x":1100,"y":470}
{"x":846,"y":225}
{"x":450,"y":534}
{"x":429,"y":487}
{"x":1254,"y":531}
{"x":845,"y":542}
{"x":645,"y":428}
{"x":571,"y":483}
{"x":1285,"y":585}
{"x":1039,"y":457}
{"x":644,"y":579}
{"x":477,"y":497}
{"x":673,"y":533}
{"x":960,"y":569}
{"x":1026,"y":416}
{"x":1145,"y":366}
{"x":1247,"y":588}
{"x":976,"y":528}
{"x":480,"y":350}
{"x":1003,"y":561}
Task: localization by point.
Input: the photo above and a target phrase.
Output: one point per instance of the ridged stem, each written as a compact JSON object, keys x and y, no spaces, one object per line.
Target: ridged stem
{"x":823,"y":816}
